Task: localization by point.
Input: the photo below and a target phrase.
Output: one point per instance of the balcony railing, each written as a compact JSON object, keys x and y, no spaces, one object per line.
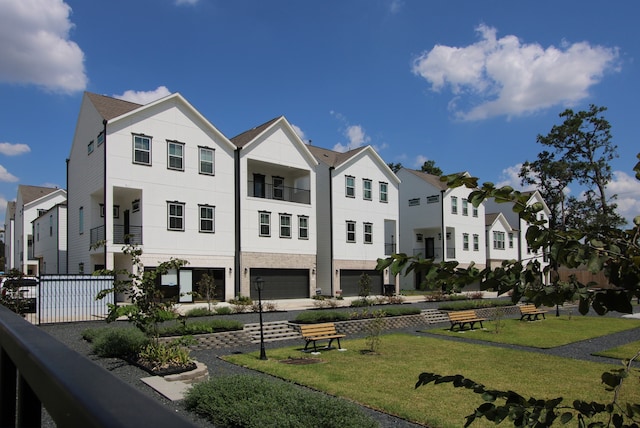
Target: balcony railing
{"x":281,"y":193}
{"x":134,"y":236}
{"x":437,"y":253}
{"x":36,"y":370}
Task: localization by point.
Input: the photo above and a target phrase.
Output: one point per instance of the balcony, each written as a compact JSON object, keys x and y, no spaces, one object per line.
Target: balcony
{"x":121,"y":235}
{"x":436,"y":254}
{"x":263,"y":190}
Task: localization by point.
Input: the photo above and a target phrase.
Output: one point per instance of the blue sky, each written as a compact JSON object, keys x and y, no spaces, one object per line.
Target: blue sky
{"x":468,"y":84}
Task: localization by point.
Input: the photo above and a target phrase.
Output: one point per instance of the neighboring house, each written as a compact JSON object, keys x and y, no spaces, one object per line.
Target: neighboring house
{"x":31,"y":202}
{"x":525,"y":254}
{"x":438,"y":223}
{"x":276,"y":229}
{"x":501,"y":240}
{"x":50,"y":240}
{"x":159,"y":176}
{"x":357,"y":219}
{"x":9,"y":235}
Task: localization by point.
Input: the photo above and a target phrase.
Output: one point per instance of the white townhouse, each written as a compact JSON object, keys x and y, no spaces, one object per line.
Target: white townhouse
{"x":501,"y":240}
{"x":276,"y":231}
{"x":31,"y":202}
{"x":358,"y":220}
{"x":525,"y":254}
{"x":159,"y":176}
{"x":439,"y":223}
{"x":50,"y":240}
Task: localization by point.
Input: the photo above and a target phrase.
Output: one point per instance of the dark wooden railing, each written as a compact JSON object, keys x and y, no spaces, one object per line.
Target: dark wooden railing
{"x":36,"y":370}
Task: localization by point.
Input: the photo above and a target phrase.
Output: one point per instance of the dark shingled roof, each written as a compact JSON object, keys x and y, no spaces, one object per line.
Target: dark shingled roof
{"x":32,"y":193}
{"x":109,"y":107}
{"x":490,"y":218}
{"x":434,"y":180}
{"x":246,"y":137}
{"x":333,"y":158}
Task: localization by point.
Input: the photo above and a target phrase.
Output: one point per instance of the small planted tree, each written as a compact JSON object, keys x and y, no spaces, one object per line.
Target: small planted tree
{"x":364,"y":285}
{"x":207,"y":288}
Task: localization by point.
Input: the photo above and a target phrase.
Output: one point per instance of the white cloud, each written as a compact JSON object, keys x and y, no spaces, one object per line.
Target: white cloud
{"x":35,"y":47}
{"x":187,"y":2}
{"x":628,"y":190}
{"x":6,"y":176}
{"x":495,"y":77}
{"x":356,"y":137}
{"x":300,"y":133}
{"x":395,"y":6}
{"x":142,"y":97}
{"x":9,"y":149}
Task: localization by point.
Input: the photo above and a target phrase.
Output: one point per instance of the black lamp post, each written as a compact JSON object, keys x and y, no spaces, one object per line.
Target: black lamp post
{"x":259,"y":286}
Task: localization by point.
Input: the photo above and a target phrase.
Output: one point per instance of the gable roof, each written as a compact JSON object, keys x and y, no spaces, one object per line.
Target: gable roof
{"x":433,"y":180}
{"x":491,"y":218}
{"x":246,"y":137}
{"x":333,"y":158}
{"x":109,"y":107}
{"x":33,"y":193}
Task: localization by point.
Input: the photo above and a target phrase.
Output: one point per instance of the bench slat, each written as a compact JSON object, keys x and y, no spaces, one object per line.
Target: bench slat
{"x":325,"y":331}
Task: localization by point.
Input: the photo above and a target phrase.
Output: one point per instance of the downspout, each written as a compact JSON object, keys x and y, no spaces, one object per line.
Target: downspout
{"x":444,"y":232}
{"x":237,"y":274}
{"x":104,"y":193}
{"x":58,"y":238}
{"x":331,"y":275}
{"x":67,"y":221}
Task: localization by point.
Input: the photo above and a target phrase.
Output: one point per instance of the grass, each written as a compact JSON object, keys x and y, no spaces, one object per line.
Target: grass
{"x":624,"y":352}
{"x":386,"y":380}
{"x":549,"y":333}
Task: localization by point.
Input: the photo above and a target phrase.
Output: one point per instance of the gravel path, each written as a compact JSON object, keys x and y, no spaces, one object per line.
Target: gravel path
{"x":70,"y":334}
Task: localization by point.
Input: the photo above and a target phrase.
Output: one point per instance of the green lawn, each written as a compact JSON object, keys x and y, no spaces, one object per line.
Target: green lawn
{"x":386,"y":380}
{"x":624,"y":352}
{"x":546,"y":333}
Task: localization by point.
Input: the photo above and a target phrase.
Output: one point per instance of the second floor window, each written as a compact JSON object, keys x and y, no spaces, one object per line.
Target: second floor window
{"x":175,"y":155}
{"x":265,"y":223}
{"x":366,"y":189}
{"x":384,"y":192}
{"x":474,"y":210}
{"x":175,"y":216}
{"x":465,"y":207}
{"x":142,"y":149}
{"x":351,"y":231}
{"x":465,"y":241}
{"x":350,"y":186}
{"x":206,"y":160}
{"x":498,"y":240}
{"x":368,"y":233}
{"x":207,"y":218}
{"x":285,"y":225}
{"x":476,"y":242}
{"x":510,"y":240}
{"x":454,"y":205}
{"x":303,"y":227}
{"x":278,"y":188}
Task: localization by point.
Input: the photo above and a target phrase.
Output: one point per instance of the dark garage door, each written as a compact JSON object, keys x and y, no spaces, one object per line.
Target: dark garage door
{"x":281,"y":283}
{"x":349,"y":280}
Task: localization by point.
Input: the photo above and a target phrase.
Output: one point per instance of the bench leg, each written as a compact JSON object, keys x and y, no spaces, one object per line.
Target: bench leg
{"x":329,"y":344}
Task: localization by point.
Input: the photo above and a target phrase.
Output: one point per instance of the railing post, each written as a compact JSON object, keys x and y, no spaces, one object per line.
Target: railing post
{"x":8,"y":375}
{"x":29,"y":407}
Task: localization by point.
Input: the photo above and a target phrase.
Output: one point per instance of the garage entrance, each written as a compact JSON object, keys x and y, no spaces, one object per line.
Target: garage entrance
{"x":349,"y":280}
{"x":281,"y":283}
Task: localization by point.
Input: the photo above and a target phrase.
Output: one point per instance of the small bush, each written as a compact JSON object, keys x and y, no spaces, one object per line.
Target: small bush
{"x":242,"y":300}
{"x":199,"y":312}
{"x":255,"y":401}
{"x":313,"y":317}
{"x":474,"y":304}
{"x":201,"y":327}
{"x":224,"y":310}
{"x":359,"y":303}
{"x":116,"y":342}
{"x":157,"y":356}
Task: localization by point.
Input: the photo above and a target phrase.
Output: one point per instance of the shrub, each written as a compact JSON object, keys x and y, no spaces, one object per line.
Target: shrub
{"x":224,"y":310}
{"x":256,"y":401}
{"x":312,"y":317}
{"x":359,"y":303}
{"x":474,"y":304}
{"x":199,"y":312}
{"x":158,"y":356}
{"x":200,"y":327}
{"x":116,"y":342}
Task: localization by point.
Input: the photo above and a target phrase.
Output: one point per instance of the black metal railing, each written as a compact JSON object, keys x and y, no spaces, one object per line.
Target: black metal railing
{"x":120,"y":235}
{"x":36,"y":370}
{"x":281,"y":193}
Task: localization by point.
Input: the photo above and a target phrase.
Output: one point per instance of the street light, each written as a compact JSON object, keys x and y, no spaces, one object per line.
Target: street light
{"x":259,"y":287}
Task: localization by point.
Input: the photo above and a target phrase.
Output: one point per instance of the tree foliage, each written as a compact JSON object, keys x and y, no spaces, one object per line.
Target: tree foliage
{"x":430,"y":167}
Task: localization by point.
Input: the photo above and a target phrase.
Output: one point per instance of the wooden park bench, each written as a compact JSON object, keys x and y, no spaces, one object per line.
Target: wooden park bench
{"x":312,"y":333}
{"x":460,"y":318}
{"x":530,"y":312}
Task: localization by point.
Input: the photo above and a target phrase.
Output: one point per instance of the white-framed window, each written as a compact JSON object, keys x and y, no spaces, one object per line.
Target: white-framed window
{"x":303,"y":227}
{"x":206,"y":159}
{"x":100,"y":138}
{"x":350,"y":186}
{"x":351,"y":231}
{"x":207,"y":218}
{"x":419,"y":237}
{"x":81,"y":220}
{"x":498,"y":240}
{"x":175,"y":216}
{"x":454,"y":205}
{"x":265,"y":223}
{"x":476,"y":242}
{"x":465,"y":241}
{"x":366,"y":189}
{"x":278,"y":188}
{"x":285,"y":225}
{"x":510,"y":240}
{"x":368,"y":233}
{"x":51,"y":225}
{"x":142,"y":149}
{"x":116,"y":211}
{"x":465,"y":207}
{"x":175,"y":155}
{"x":90,"y":147}
{"x":135,"y":205}
{"x":384,"y":192}
{"x":433,"y":199}
{"x":474,"y":211}
{"x":414,"y":202}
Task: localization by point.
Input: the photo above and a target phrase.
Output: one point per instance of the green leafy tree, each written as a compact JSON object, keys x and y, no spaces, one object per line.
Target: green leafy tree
{"x":430,"y":168}
{"x":207,"y":288}
{"x":395,"y":167}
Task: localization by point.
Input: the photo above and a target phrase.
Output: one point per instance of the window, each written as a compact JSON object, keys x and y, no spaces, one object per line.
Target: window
{"x":135,"y":205}
{"x":303,"y":227}
{"x":511,"y":240}
{"x":465,"y":207}
{"x":350,"y":184}
{"x":175,"y":155}
{"x":351,"y":231}
{"x":384,"y":192}
{"x":81,"y":220}
{"x":498,"y":240}
{"x":116,"y":211}
{"x":142,"y":149}
{"x":285,"y":225}
{"x":414,"y":202}
{"x":206,"y":160}
{"x":454,"y":205}
{"x":419,"y":237}
{"x":51,"y":225}
{"x":100,"y":138}
{"x":90,"y":147}
{"x":366,"y":189}
{"x":465,"y":241}
{"x":259,"y":186}
{"x":207,"y":219}
{"x":175,"y":214}
{"x":433,"y":199}
{"x":368,"y":233}
{"x":474,"y":210}
{"x":476,"y":242}
{"x":265,"y":223}
{"x":38,"y":232}
{"x":278,"y":188}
